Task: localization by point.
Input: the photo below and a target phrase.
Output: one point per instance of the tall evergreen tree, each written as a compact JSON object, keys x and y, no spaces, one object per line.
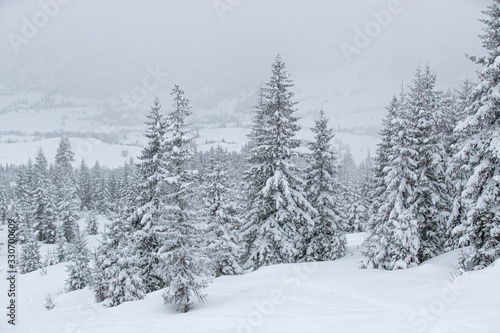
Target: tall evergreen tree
{"x":68,"y":203}
{"x":279,"y":218}
{"x":187,"y":268}
{"x":478,"y":157}
{"x":222,"y":215}
{"x":84,"y":188}
{"x":23,"y":202}
{"x":327,"y":240}
{"x":44,"y":209}
{"x":151,"y":205}
{"x":410,"y":223}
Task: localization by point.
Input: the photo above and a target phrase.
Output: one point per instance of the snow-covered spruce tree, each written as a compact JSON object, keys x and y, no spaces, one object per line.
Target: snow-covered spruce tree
{"x":366,"y":186}
{"x":150,"y":202}
{"x":410,"y":223}
{"x":67,"y":201}
{"x":78,"y":267}
{"x":91,"y":223}
{"x":44,"y":208}
{"x":128,"y":189}
{"x":98,"y":189}
{"x":479,"y":156}
{"x":222,"y":212}
{"x":84,"y":190}
{"x":4,"y":202}
{"x":393,"y":241}
{"x":279,"y":219}
{"x":23,"y":202}
{"x":30,"y":259}
{"x":61,"y":245}
{"x":457,"y":175}
{"x":431,"y":198}
{"x":116,"y":275}
{"x":349,"y":202}
{"x":186,"y":266}
{"x":327,"y":240}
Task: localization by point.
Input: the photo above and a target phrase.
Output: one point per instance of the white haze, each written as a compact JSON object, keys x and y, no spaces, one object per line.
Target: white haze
{"x":99,"y":48}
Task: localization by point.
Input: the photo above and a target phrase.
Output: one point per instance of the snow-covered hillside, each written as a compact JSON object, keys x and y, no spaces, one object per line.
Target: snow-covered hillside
{"x":312,"y":297}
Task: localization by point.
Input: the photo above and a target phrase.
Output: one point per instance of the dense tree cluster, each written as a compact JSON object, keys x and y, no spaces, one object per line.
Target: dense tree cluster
{"x":180,"y":217}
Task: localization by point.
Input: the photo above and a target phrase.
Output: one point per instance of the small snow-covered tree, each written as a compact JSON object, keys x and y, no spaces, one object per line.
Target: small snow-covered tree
{"x":78,"y":267}
{"x":327,"y":240}
{"x":30,"y":259}
{"x":91,"y":223}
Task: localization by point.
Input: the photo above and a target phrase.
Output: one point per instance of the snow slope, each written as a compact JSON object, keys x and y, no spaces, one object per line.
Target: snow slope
{"x":313,"y":297}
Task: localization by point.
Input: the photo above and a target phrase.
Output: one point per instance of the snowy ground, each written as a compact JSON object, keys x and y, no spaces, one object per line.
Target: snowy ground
{"x":315,"y":297}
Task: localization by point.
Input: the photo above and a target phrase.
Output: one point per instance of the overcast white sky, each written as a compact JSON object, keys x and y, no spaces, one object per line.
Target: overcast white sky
{"x":104,"y":46}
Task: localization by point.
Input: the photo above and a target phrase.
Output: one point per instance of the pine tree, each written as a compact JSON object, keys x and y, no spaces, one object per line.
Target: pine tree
{"x":431,"y":194}
{"x":98,"y":189}
{"x":187,"y":267}
{"x":91,"y":222}
{"x":78,"y":268}
{"x":145,"y":218}
{"x":327,"y":241}
{"x":68,"y":203}
{"x":24,"y":203}
{"x":279,"y":218}
{"x":30,"y":259}
{"x":44,"y":209}
{"x":84,"y":189}
{"x":4,"y":202}
{"x":222,"y":215}
{"x":409,"y":224}
{"x":478,"y":156}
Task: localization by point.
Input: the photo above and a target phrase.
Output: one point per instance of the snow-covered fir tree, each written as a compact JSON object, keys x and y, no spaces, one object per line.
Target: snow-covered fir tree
{"x":426,"y":138}
{"x":91,"y":223}
{"x":150,"y":202}
{"x":393,"y":241}
{"x":327,"y":240}
{"x":410,"y":225}
{"x":29,"y":257}
{"x":79,"y":258}
{"x":44,"y":208}
{"x":222,"y":211}
{"x":478,"y":156}
{"x":98,"y":189}
{"x":23,"y":203}
{"x":116,"y":275}
{"x":68,"y":203}
{"x":186,"y":266}
{"x":280,"y":217}
{"x":84,"y":189}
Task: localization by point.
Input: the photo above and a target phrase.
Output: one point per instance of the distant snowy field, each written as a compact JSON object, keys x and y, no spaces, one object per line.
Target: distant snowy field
{"x":18,"y":149}
{"x":313,"y":297}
